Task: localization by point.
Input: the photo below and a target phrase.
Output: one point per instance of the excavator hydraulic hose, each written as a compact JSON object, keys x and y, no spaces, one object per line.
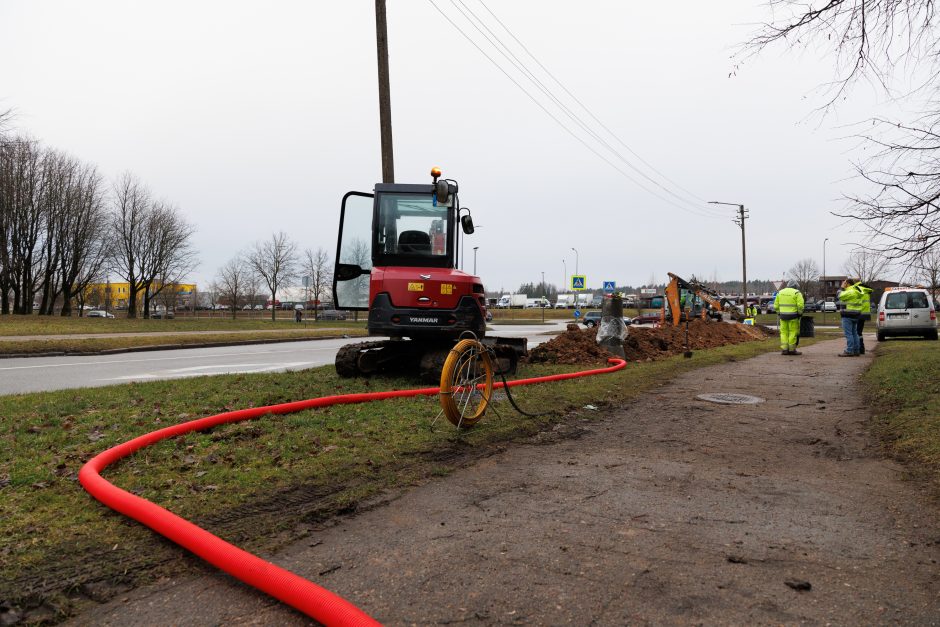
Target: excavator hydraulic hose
{"x":301,"y":594}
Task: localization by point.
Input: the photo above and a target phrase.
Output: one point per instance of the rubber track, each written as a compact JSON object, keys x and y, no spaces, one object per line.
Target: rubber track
{"x":306,"y":596}
{"x":347,"y":357}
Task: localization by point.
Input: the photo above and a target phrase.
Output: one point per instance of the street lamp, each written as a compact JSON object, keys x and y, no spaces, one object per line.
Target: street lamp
{"x":575,"y":260}
{"x":824,"y":280}
{"x":742,"y":216}
{"x":564,"y":281}
{"x":475,"y":260}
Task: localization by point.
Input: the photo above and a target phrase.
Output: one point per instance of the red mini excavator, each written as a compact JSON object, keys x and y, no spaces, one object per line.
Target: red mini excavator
{"x":396,"y":258}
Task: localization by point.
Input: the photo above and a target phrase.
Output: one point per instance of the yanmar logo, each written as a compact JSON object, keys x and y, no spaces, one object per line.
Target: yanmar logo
{"x":422,"y":320}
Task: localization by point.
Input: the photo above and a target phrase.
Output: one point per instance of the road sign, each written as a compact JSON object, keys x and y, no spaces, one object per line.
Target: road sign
{"x":577,"y":314}
{"x":578,"y":281}
{"x":610,"y":287}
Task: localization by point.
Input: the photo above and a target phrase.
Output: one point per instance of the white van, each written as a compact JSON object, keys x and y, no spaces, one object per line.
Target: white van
{"x":906,"y":311}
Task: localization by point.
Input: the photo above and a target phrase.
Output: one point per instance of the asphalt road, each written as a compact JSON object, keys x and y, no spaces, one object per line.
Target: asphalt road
{"x":36,"y":374}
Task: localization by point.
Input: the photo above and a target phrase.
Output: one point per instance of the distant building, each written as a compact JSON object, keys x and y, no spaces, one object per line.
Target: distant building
{"x":831,"y":285}
{"x":113,"y":295}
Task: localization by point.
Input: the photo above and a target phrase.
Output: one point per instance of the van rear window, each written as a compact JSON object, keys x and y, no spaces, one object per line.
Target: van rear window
{"x":896,"y":300}
{"x":918,"y":300}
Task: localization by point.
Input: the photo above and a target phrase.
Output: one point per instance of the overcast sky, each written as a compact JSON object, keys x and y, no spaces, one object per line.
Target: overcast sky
{"x":255,"y":117}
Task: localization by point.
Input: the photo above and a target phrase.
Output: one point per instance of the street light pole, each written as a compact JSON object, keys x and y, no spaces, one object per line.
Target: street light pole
{"x":475,"y":260}
{"x":564,"y":281}
{"x":742,"y":216}
{"x":543,"y":297}
{"x":824,"y":280}
{"x":576,"y":258}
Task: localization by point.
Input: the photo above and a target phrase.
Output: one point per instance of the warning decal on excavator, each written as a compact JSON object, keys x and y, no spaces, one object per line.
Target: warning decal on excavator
{"x":447,"y":288}
{"x":416,"y":287}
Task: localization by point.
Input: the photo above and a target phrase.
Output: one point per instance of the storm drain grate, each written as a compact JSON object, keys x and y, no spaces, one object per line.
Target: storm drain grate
{"x":730,"y":399}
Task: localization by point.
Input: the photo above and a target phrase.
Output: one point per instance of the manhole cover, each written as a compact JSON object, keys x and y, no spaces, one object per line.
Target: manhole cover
{"x":730,"y":399}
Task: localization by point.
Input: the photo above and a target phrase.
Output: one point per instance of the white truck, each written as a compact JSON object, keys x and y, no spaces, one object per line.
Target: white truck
{"x":565,"y":301}
{"x":584,"y":300}
{"x":536,"y":303}
{"x":511,"y":301}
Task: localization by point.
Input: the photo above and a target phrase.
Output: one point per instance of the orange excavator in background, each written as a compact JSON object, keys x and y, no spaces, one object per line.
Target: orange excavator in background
{"x":712,"y":304}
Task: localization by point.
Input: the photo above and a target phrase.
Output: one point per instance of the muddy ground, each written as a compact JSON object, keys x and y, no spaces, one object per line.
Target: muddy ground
{"x":675,"y":511}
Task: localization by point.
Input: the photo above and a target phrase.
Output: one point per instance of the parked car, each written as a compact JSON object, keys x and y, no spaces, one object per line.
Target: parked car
{"x":647,"y":318}
{"x":592,"y":318}
{"x":829,"y":306}
{"x":157,"y":315}
{"x":332,"y":314}
{"x":98,"y":313}
{"x":906,"y":311}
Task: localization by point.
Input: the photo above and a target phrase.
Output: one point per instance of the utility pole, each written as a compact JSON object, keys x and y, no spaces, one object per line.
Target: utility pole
{"x":742,"y":216}
{"x":385,"y":98}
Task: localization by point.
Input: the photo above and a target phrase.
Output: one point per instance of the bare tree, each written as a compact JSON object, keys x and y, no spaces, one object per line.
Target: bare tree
{"x":929,"y":271}
{"x":130,"y":216}
{"x":318,"y":267}
{"x":275,"y":261}
{"x":167,"y":254}
{"x":866,"y":265}
{"x":874,"y":40}
{"x":806,"y":273}
{"x":231,"y":282}
{"x":84,"y":247}
{"x":21,"y":190}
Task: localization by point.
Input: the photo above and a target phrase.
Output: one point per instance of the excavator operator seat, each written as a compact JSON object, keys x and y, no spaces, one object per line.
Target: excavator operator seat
{"x":414,"y":243}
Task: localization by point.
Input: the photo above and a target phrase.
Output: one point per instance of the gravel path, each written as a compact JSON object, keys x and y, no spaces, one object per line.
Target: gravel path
{"x":675,"y":510}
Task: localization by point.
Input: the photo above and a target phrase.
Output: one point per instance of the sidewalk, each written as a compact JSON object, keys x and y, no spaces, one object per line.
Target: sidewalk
{"x":674,"y":510}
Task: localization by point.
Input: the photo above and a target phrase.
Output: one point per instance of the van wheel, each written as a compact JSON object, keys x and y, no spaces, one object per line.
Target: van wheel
{"x":590,"y":324}
{"x":882,"y":337}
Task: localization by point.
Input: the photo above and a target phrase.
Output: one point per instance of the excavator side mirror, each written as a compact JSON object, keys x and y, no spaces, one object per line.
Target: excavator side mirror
{"x":466,"y":222}
{"x":348,"y":271}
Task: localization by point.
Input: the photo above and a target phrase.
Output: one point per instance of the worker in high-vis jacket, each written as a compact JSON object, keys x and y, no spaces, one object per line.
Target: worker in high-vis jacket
{"x":853,"y":301}
{"x":864,"y":315}
{"x":789,"y":307}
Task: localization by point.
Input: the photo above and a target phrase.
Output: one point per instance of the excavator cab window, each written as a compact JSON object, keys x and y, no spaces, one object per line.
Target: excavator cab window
{"x":412,"y":230}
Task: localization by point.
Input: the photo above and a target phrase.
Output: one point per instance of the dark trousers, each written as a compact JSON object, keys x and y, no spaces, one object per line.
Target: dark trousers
{"x":859,"y":326}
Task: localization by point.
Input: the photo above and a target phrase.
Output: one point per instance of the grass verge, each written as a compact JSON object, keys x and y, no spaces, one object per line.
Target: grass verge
{"x":174,"y":340}
{"x":252,"y":483}
{"x":902,"y":388}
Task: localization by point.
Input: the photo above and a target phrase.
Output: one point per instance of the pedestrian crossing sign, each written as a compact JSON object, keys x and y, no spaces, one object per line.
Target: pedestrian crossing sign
{"x":578,"y":281}
{"x":609,"y":287}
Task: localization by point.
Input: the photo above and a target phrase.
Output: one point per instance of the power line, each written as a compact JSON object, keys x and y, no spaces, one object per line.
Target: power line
{"x":574,"y":117}
{"x":694,"y":211}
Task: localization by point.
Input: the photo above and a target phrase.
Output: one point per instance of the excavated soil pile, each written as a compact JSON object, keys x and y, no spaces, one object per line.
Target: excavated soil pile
{"x":576,"y":346}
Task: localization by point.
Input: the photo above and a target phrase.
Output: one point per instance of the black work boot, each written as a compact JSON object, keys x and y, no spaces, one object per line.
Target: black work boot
{"x":784,"y":352}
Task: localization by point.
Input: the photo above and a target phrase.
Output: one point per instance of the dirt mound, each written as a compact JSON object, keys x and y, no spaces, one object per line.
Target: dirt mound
{"x":577,"y":346}
{"x":574,"y":346}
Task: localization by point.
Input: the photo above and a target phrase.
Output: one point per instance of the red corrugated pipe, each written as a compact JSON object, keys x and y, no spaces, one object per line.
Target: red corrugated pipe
{"x":306,"y":596}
